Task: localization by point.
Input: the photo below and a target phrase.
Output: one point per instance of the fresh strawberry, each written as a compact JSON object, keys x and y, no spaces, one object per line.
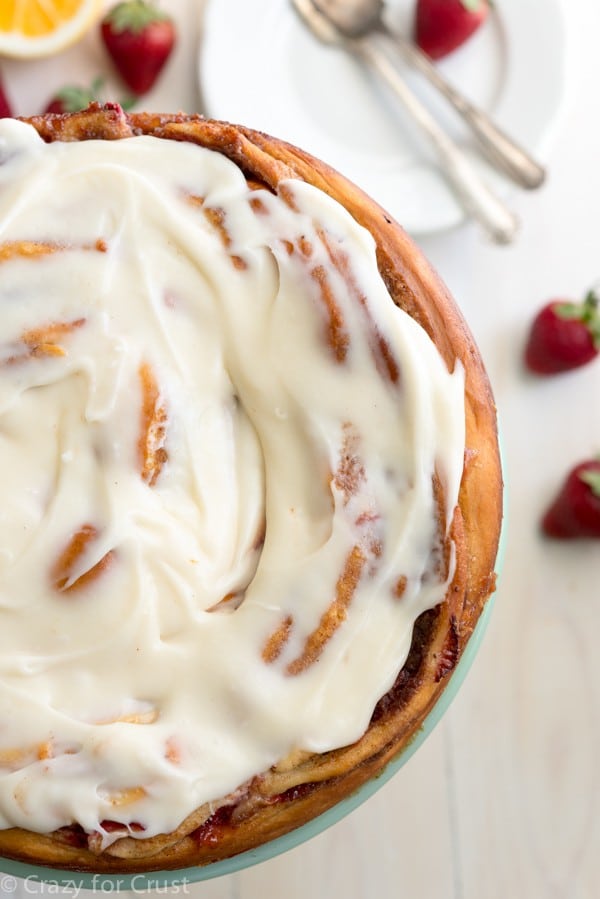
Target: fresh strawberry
{"x":140,"y":38}
{"x":576,"y":510}
{"x":443,"y":25}
{"x":564,"y":335}
{"x":73,"y":98}
{"x":5,"y":110}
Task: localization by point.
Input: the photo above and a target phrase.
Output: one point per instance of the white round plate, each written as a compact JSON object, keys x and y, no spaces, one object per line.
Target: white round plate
{"x":260,"y":66}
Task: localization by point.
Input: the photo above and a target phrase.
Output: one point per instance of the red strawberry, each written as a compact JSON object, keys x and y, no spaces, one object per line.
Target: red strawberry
{"x":5,"y":110}
{"x":140,"y":38}
{"x":73,"y":98}
{"x":443,"y":25}
{"x":576,"y":510}
{"x":564,"y":335}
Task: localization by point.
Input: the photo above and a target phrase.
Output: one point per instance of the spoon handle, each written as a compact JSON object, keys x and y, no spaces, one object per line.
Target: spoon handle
{"x":472,"y":192}
{"x":503,"y":152}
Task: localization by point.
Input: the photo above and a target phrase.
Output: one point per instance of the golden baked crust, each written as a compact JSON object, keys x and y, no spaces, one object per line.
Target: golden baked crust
{"x":301,"y":787}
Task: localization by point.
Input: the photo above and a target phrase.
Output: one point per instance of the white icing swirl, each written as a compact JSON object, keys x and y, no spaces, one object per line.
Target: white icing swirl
{"x":187,"y":366}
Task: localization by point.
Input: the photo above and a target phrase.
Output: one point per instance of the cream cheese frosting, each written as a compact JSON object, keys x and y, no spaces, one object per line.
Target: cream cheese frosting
{"x":219,"y":448}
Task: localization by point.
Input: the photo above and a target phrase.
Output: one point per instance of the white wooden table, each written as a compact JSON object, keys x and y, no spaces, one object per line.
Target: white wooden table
{"x":503,"y":800}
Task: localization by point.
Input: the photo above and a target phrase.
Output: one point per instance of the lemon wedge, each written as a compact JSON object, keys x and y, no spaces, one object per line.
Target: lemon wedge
{"x":31,"y":28}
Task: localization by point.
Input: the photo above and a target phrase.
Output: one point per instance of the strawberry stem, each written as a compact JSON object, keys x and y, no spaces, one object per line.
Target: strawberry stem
{"x":570,"y":310}
{"x":590,"y":303}
{"x":74,"y":98}
{"x":473,"y":5}
{"x":591,"y":315}
{"x":128,"y":102}
{"x":134,"y":16}
{"x":592,"y":479}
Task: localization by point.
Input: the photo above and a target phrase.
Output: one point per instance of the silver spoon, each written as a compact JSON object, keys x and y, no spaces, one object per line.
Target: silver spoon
{"x":472,"y":192}
{"x":357,"y":18}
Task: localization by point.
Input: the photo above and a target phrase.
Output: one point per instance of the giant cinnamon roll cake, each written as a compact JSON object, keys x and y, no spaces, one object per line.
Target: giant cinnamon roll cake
{"x":250,"y":495}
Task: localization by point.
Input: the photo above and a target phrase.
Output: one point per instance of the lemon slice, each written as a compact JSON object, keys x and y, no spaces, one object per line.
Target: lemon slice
{"x":30,"y":28}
